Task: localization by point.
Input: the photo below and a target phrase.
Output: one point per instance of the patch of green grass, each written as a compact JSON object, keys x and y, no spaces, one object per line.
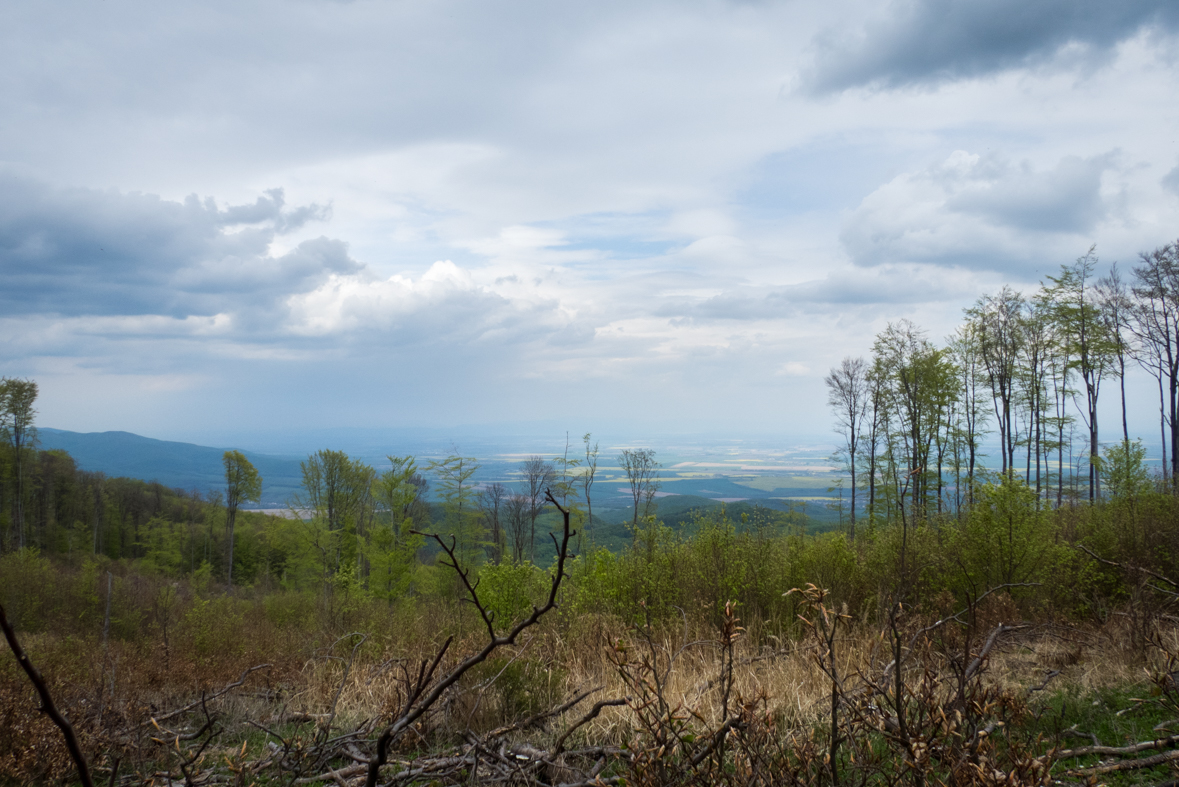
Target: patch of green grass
{"x":1117,"y":716}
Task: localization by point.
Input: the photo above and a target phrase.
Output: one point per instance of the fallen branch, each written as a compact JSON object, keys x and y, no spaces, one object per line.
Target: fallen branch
{"x":1127,"y":765}
{"x":47,"y":706}
{"x":586,"y":719}
{"x":224,"y":690}
{"x":1119,"y":751}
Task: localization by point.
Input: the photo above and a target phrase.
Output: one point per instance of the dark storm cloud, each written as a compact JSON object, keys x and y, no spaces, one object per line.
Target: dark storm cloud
{"x":84,"y":252}
{"x":929,"y":41}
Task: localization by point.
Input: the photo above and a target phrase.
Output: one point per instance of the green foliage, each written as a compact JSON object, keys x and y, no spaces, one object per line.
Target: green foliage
{"x":462,"y":524}
{"x":393,"y":546}
{"x":215,"y":625}
{"x":290,"y":609}
{"x":1123,"y":471}
{"x":510,"y":590}
{"x":1008,"y":538}
{"x":521,"y":687}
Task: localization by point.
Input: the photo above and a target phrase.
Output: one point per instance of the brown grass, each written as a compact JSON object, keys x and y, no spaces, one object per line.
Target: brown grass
{"x":112,"y":694}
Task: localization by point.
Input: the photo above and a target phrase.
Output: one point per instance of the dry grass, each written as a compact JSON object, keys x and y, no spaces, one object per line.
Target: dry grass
{"x":111,"y":694}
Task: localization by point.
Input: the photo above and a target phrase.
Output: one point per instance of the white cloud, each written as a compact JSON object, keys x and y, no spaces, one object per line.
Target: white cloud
{"x":640,"y":208}
{"x":981,"y":212}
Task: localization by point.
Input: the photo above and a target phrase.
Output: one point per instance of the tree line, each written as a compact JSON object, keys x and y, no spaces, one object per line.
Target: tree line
{"x":350,"y":525}
{"x":1028,"y":370}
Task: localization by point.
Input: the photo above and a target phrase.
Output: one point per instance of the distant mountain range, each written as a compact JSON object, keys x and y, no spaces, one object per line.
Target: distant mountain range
{"x":176,"y":465}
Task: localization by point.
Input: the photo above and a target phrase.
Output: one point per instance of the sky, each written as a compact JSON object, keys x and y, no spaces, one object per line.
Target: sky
{"x":239,"y":217}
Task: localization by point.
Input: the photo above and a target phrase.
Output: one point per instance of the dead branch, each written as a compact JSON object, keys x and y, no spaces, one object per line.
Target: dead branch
{"x":47,"y":706}
{"x":1140,"y":569}
{"x":327,"y":726}
{"x":716,"y":739}
{"x":586,"y":719}
{"x":1119,"y":751}
{"x":535,"y":719}
{"x":1127,"y":765}
{"x":414,"y":708}
{"x":957,"y":616}
{"x":334,"y":775}
{"x":981,"y":658}
{"x":224,"y":690}
{"x":1047,"y":679}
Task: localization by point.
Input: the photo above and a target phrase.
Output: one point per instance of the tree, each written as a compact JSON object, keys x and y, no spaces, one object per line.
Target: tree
{"x":965,"y":347}
{"x":337,"y":493}
{"x":999,"y":323}
{"x":642,"y":473}
{"x":876,"y":423}
{"x":539,"y":475}
{"x":516,"y":509}
{"x":1092,"y":347}
{"x":587,"y":481}
{"x":1035,"y":363}
{"x":458,"y":493}
{"x":920,"y":387}
{"x":399,"y":493}
{"x":242,"y":484}
{"x":848,"y":396}
{"x":1156,"y":326}
{"x":1115,"y":308}
{"x":493,"y":503}
{"x":16,"y":425}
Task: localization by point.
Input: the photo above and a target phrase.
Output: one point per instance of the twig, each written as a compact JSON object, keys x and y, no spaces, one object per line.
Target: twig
{"x":1126,"y":567}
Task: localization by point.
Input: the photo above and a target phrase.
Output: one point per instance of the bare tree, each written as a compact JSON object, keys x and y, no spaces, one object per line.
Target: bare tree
{"x":587,"y":481}
{"x":642,"y":472}
{"x":515,"y":518}
{"x":538,"y":476}
{"x":1116,"y":308}
{"x":427,"y":690}
{"x":999,"y":320}
{"x":1079,"y":320}
{"x":492,"y":502}
{"x":1156,"y":325}
{"x":847,"y":394}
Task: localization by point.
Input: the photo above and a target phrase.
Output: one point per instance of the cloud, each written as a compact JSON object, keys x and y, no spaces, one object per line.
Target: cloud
{"x":100,"y":272}
{"x":1171,"y":181}
{"x":931,"y":41}
{"x":979,"y":212}
{"x":842,"y":291}
{"x":80,"y":251}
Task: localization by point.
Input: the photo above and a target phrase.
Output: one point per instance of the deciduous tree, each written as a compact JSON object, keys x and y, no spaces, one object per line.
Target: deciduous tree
{"x":538,"y":475}
{"x":242,"y":484}
{"x":848,"y":396}
{"x":642,"y":473}
{"x":16,"y":425}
